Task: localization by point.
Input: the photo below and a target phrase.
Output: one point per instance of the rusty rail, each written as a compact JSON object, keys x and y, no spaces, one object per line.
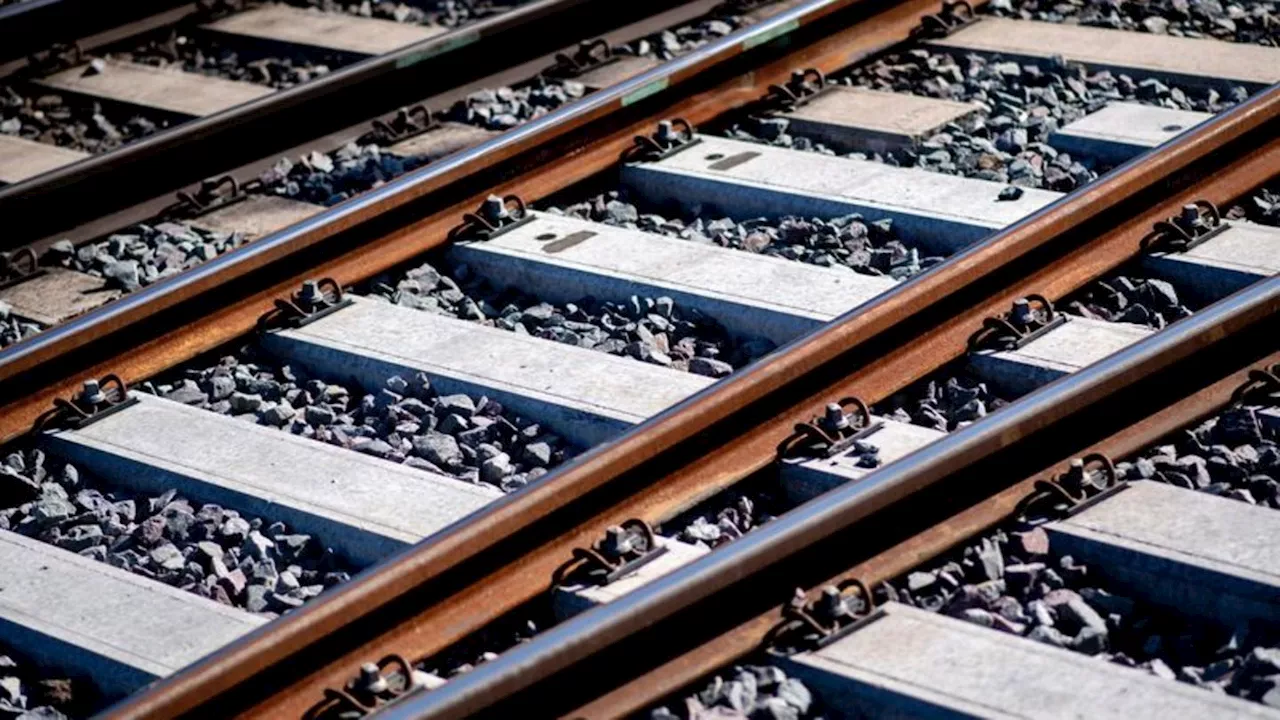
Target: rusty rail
{"x":970,"y":521}
{"x":545,"y":156}
{"x":752,"y":404}
{"x":701,"y":589}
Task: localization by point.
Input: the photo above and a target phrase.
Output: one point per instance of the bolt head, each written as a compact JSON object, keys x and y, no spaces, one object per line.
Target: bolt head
{"x":91,"y":393}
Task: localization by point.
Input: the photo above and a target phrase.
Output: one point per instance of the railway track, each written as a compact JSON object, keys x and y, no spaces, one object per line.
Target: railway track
{"x":535,"y":379}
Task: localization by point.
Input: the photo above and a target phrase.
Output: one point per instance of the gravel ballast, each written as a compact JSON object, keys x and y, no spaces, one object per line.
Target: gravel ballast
{"x":1020,"y":106}
{"x":472,"y":439}
{"x":197,"y":53}
{"x":870,"y":248}
{"x":31,"y":692}
{"x":1127,"y":298}
{"x":759,"y":692}
{"x":241,"y":561}
{"x":1013,"y":581}
{"x":447,"y":13}
{"x":1235,"y":454}
{"x":53,"y":119}
{"x":1254,"y":21}
{"x":652,"y":330}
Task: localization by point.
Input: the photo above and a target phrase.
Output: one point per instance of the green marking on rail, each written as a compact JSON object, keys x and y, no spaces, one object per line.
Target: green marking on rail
{"x":770,"y":35}
{"x":455,"y":40}
{"x":652,"y":88}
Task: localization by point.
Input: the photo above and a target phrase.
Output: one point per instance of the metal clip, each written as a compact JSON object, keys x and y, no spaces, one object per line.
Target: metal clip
{"x":56,"y":57}
{"x":671,"y":137}
{"x":307,"y":305}
{"x":1261,"y":382}
{"x":1197,"y":223}
{"x":13,"y":270}
{"x":1017,"y":327}
{"x":372,"y":690}
{"x":97,"y":399}
{"x":825,"y":620}
{"x":589,"y":55}
{"x":803,"y":86}
{"x":624,"y":549}
{"x":945,"y":21}
{"x":833,"y":433}
{"x":495,"y":216}
{"x":207,"y":198}
{"x":1073,"y":490}
{"x":408,"y":122}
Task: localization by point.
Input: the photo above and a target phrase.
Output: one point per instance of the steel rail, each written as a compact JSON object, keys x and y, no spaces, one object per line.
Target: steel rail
{"x":97,"y":185}
{"x":33,"y":25}
{"x":566,"y":125}
{"x":1183,"y":410}
{"x":215,"y":678}
{"x":594,"y":631}
{"x":664,"y":493}
{"x":413,"y":571}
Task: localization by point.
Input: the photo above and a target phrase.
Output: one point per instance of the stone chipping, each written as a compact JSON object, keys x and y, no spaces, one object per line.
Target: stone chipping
{"x":29,"y":691}
{"x":1013,"y":581}
{"x":727,"y":515}
{"x":653,"y":330}
{"x":14,"y":328}
{"x":1262,"y":207}
{"x":850,"y":241}
{"x":199,"y":53}
{"x":330,"y":178}
{"x":757,"y":691}
{"x":217,"y":553}
{"x":53,"y":119}
{"x":1235,"y":454}
{"x":1253,"y":21}
{"x":947,"y":400}
{"x":1020,"y":106}
{"x":405,"y":421}
{"x":448,"y":13}
{"x":1127,"y":298}
{"x":142,"y":254}
{"x":506,"y":107}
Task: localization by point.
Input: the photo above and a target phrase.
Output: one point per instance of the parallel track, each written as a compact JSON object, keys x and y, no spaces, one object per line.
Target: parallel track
{"x":420,"y":602}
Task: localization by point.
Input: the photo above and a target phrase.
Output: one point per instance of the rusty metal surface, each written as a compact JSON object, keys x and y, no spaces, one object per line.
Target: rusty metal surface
{"x":732,"y":646}
{"x":290,"y":637}
{"x":723,"y":466}
{"x":627,"y":619}
{"x":437,"y":626}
